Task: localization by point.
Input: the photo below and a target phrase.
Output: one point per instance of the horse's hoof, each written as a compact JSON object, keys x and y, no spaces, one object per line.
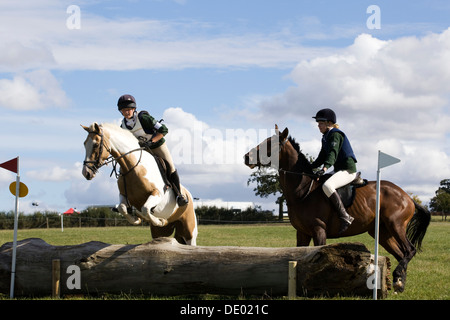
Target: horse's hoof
{"x":163,"y":222}
{"x":399,"y":286}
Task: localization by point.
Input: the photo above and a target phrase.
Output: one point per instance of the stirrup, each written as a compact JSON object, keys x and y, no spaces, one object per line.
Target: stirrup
{"x":345,"y":223}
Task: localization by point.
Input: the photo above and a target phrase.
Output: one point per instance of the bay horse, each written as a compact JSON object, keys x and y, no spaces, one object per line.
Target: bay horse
{"x":140,"y":183}
{"x":403,"y":222}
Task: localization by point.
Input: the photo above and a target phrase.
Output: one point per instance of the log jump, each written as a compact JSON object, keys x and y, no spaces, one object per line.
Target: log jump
{"x":165,"y":267}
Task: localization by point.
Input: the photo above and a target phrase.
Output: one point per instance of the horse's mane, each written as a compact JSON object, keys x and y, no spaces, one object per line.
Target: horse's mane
{"x":122,"y":133}
{"x":303,"y":164}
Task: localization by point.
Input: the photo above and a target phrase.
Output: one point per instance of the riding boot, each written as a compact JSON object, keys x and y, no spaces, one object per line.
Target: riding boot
{"x":175,"y":180}
{"x":346,"y":219}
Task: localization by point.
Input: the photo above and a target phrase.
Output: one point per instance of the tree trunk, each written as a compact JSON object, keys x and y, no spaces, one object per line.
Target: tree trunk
{"x":280,"y":209}
{"x":165,"y":267}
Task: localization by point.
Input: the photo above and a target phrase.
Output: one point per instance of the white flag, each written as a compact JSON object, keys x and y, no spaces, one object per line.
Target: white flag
{"x":385,"y":160}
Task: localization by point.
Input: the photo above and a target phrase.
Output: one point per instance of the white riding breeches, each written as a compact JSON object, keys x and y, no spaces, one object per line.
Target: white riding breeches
{"x":337,"y":180}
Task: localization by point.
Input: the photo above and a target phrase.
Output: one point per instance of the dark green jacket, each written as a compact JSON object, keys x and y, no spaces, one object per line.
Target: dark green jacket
{"x":152,"y":126}
{"x":336,"y":151}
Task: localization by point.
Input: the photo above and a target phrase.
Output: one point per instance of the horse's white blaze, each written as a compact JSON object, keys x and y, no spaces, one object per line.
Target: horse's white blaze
{"x":89,"y":148}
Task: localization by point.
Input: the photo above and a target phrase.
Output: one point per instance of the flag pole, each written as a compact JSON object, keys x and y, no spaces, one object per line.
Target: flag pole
{"x":377,"y":228}
{"x":16,"y":218}
{"x":384,"y":160}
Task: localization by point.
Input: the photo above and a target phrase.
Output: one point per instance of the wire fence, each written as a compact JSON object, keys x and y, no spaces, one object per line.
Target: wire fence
{"x":105,"y":217}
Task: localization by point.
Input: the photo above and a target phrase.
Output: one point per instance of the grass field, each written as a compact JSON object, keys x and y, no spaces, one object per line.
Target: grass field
{"x":428,"y":272}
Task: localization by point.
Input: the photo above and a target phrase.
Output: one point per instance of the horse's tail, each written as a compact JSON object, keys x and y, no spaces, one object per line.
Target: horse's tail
{"x":418,"y":225}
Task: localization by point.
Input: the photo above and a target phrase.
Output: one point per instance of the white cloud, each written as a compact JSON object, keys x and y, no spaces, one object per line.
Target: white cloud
{"x":42,"y":40}
{"x":102,"y":190}
{"x":220,"y":150}
{"x":56,"y":173}
{"x":33,"y":90}
{"x":389,"y":95}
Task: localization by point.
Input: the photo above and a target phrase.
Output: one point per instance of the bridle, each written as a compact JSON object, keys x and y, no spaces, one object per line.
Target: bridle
{"x":95,"y":165}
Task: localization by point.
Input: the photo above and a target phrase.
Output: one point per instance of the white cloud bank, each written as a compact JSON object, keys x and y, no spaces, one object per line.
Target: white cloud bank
{"x":34,"y":90}
{"x":388,"y":95}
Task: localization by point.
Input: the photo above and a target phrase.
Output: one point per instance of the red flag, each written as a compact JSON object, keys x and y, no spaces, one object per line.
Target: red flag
{"x":10,"y":165}
{"x":71,"y":211}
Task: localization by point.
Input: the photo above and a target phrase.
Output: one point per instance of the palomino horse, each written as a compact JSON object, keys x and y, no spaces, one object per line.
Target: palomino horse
{"x":312,"y":215}
{"x":140,"y":182}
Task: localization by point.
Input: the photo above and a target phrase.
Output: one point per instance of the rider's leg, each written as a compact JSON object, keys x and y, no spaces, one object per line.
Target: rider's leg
{"x":163,"y":152}
{"x":337,"y":180}
{"x":175,"y":180}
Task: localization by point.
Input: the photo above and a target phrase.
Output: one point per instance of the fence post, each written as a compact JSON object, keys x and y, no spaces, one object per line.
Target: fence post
{"x":292,"y":280}
{"x":56,"y":277}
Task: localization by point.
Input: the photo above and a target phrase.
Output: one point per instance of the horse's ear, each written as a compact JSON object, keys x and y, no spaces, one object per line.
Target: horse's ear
{"x":85,"y":128}
{"x":276,"y":130}
{"x":284,"y":134}
{"x":96,"y":127}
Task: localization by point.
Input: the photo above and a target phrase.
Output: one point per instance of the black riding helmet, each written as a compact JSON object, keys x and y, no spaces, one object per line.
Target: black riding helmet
{"x":126,"y":101}
{"x":326,"y":115}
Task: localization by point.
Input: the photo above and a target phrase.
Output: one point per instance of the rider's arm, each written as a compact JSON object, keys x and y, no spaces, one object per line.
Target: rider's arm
{"x":150,"y":124}
{"x":334,"y":143}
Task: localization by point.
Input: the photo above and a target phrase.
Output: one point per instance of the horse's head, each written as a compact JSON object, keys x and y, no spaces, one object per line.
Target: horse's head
{"x":267,"y":153}
{"x":96,"y":150}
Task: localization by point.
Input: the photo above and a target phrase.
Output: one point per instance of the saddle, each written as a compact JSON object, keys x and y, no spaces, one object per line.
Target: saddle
{"x":347,"y":192}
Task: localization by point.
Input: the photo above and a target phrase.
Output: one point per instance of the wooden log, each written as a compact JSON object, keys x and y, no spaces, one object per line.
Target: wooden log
{"x":165,"y":267}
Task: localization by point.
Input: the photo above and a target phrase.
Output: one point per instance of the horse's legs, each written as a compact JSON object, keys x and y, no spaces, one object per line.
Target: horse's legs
{"x":303,"y":239}
{"x":147,"y":208}
{"x":123,"y":209}
{"x":398,"y":231}
{"x":158,"y":232}
{"x":193,"y":240}
{"x":183,"y":235}
{"x":186,"y":230}
{"x":401,"y":249}
{"x":319,"y":236}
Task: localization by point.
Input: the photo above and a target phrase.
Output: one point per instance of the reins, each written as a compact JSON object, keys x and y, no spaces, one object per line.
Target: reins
{"x":113,"y":160}
{"x":313,"y":176}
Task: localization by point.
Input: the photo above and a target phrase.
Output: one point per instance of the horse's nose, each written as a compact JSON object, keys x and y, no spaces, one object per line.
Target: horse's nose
{"x":246,"y":158}
{"x":86,"y":173}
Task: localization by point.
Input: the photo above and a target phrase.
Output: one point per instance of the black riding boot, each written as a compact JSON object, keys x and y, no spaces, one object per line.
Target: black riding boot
{"x":343,"y":215}
{"x":175,"y":180}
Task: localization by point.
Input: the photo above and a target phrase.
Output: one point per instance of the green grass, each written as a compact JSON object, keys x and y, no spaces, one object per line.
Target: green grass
{"x":428,"y":272}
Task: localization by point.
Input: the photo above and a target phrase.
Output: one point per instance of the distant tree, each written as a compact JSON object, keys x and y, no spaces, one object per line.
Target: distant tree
{"x":267,"y":183}
{"x":415,"y":198}
{"x":441,"y":202}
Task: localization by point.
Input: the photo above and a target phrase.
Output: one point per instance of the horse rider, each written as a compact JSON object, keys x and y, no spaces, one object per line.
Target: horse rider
{"x":336,"y":151}
{"x":150,"y":134}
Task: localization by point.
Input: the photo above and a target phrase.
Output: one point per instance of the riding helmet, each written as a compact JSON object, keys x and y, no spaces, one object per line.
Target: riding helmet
{"x":126,"y":101}
{"x":326,"y":115}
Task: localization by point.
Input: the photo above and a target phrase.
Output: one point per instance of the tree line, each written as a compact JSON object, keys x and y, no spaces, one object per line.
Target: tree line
{"x":105,"y":217}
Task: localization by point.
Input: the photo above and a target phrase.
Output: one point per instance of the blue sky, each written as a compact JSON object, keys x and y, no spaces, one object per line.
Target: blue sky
{"x":222,"y":65}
